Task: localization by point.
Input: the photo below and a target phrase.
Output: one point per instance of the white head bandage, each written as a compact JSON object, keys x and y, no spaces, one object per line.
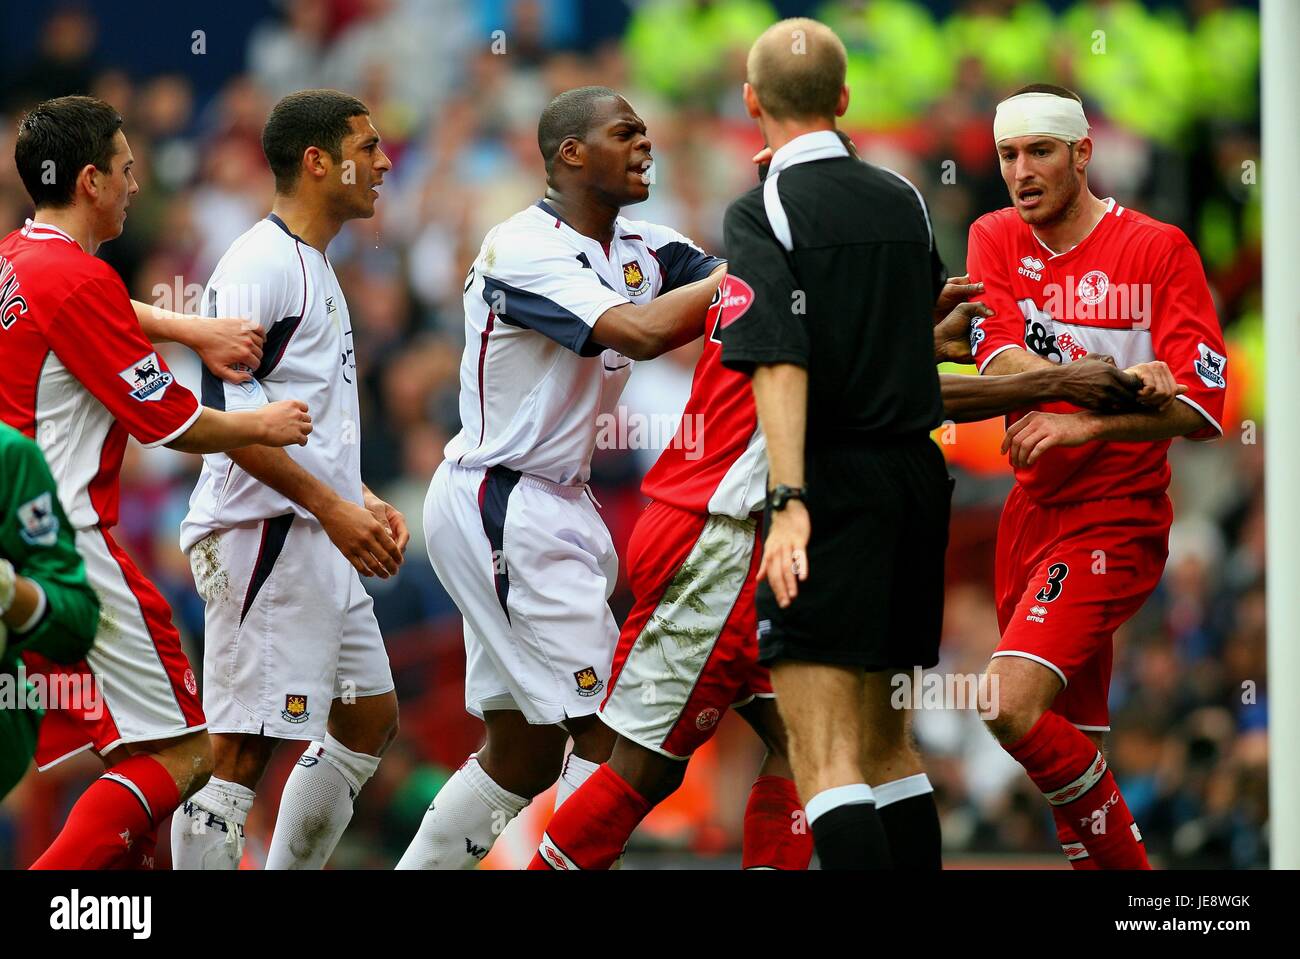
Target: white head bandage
{"x":1040,"y":114}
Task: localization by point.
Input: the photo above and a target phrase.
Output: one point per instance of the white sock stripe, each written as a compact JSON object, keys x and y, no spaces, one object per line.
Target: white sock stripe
{"x":576,"y":772}
{"x":836,"y":796}
{"x":357,"y":768}
{"x":229,"y":800}
{"x":554,"y":856}
{"x":578,"y":764}
{"x":897,"y":790}
{"x":136,"y":790}
{"x":489,"y":790}
{"x":1071,"y":792}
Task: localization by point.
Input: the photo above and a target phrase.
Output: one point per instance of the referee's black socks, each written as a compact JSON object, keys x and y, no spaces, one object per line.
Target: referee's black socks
{"x":911,"y":820}
{"x":846,"y":828}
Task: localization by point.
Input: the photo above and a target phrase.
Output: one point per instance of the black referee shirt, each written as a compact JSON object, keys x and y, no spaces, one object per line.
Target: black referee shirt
{"x":841,"y":260}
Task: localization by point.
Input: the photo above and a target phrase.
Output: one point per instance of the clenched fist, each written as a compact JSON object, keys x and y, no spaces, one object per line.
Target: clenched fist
{"x":285,"y":423}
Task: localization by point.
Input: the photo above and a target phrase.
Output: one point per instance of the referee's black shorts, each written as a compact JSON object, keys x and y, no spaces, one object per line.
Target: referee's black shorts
{"x":874,"y":594}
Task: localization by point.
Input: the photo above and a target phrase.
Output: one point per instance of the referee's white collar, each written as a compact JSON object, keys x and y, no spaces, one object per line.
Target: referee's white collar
{"x":818,"y":145}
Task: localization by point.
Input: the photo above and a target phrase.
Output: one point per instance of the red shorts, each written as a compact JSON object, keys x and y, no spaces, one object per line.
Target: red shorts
{"x":1067,"y":578}
{"x":135,"y":684}
{"x":689,"y":648}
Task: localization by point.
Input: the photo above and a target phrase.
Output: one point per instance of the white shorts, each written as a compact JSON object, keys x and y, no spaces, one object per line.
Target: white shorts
{"x":530,"y":565}
{"x":288,"y":629}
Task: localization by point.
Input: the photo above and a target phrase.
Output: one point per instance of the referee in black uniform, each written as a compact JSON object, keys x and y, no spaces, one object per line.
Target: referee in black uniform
{"x":839,"y":341}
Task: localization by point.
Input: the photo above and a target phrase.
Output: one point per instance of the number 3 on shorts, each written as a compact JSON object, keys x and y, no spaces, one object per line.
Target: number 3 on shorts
{"x":1056,"y":574}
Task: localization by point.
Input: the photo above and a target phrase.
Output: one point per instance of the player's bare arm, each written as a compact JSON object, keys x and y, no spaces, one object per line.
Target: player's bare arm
{"x":276,"y":424}
{"x":390,"y":516}
{"x":220,"y":342}
{"x":19,"y":596}
{"x":1015,"y":360}
{"x":357,"y":531}
{"x":1093,"y":384}
{"x":1036,"y":433}
{"x":781,"y":395}
{"x":643,"y":332}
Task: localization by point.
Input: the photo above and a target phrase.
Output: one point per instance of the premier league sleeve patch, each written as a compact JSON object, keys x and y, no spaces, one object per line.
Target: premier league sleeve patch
{"x":38,"y":521}
{"x":146,"y":380}
{"x":977,"y":335}
{"x":1210,"y":367}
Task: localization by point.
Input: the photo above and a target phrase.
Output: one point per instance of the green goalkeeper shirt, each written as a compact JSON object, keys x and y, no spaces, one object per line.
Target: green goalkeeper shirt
{"x":36,"y":538}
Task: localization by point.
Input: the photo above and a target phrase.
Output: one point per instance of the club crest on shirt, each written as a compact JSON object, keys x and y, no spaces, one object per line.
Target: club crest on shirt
{"x":146,"y":380}
{"x":1092,"y":288}
{"x":635,"y":280}
{"x":295,"y":709}
{"x":589,"y":684}
{"x":40,"y":524}
{"x":1210,"y":367}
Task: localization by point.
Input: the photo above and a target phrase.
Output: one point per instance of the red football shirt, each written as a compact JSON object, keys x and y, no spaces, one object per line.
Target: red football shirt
{"x":79,"y":373}
{"x":1134,"y":289}
{"x":717,"y":462}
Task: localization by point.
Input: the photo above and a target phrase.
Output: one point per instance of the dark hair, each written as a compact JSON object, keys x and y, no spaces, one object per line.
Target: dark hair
{"x":308,"y":118}
{"x":71,"y":132}
{"x":568,"y":115}
{"x":1051,"y":88}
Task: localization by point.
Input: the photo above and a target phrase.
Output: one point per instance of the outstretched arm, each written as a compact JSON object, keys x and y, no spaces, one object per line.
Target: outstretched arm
{"x":221,"y":343}
{"x":1036,"y":433}
{"x":643,"y":332}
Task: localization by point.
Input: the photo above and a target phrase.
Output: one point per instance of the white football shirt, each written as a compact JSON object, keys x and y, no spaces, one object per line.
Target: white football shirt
{"x":532,"y":380}
{"x":289,"y":287}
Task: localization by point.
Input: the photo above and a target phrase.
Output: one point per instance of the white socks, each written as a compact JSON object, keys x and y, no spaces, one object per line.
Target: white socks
{"x":208,"y":828}
{"x":317,"y":804}
{"x":463,"y":822}
{"x":899,"y":789}
{"x":576,"y":772}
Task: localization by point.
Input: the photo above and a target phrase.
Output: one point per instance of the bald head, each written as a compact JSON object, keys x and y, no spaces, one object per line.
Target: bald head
{"x":797,"y":70}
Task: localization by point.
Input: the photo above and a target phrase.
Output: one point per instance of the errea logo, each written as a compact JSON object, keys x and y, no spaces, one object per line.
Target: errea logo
{"x":1032,"y":267}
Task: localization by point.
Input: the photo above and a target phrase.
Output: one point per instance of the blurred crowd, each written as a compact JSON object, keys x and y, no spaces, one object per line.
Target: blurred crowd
{"x":455,"y":90}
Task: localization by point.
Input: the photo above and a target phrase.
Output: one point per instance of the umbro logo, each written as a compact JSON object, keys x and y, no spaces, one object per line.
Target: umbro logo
{"x":1032,"y":267}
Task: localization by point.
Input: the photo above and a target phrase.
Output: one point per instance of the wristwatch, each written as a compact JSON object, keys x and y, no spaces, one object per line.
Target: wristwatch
{"x":777,"y":498}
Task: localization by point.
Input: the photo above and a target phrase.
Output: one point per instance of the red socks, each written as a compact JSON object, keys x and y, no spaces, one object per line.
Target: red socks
{"x":1072,"y":774}
{"x":1075,"y":853}
{"x":773,"y":838}
{"x":590,"y":830}
{"x":140,"y":857}
{"x":120,"y":809}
